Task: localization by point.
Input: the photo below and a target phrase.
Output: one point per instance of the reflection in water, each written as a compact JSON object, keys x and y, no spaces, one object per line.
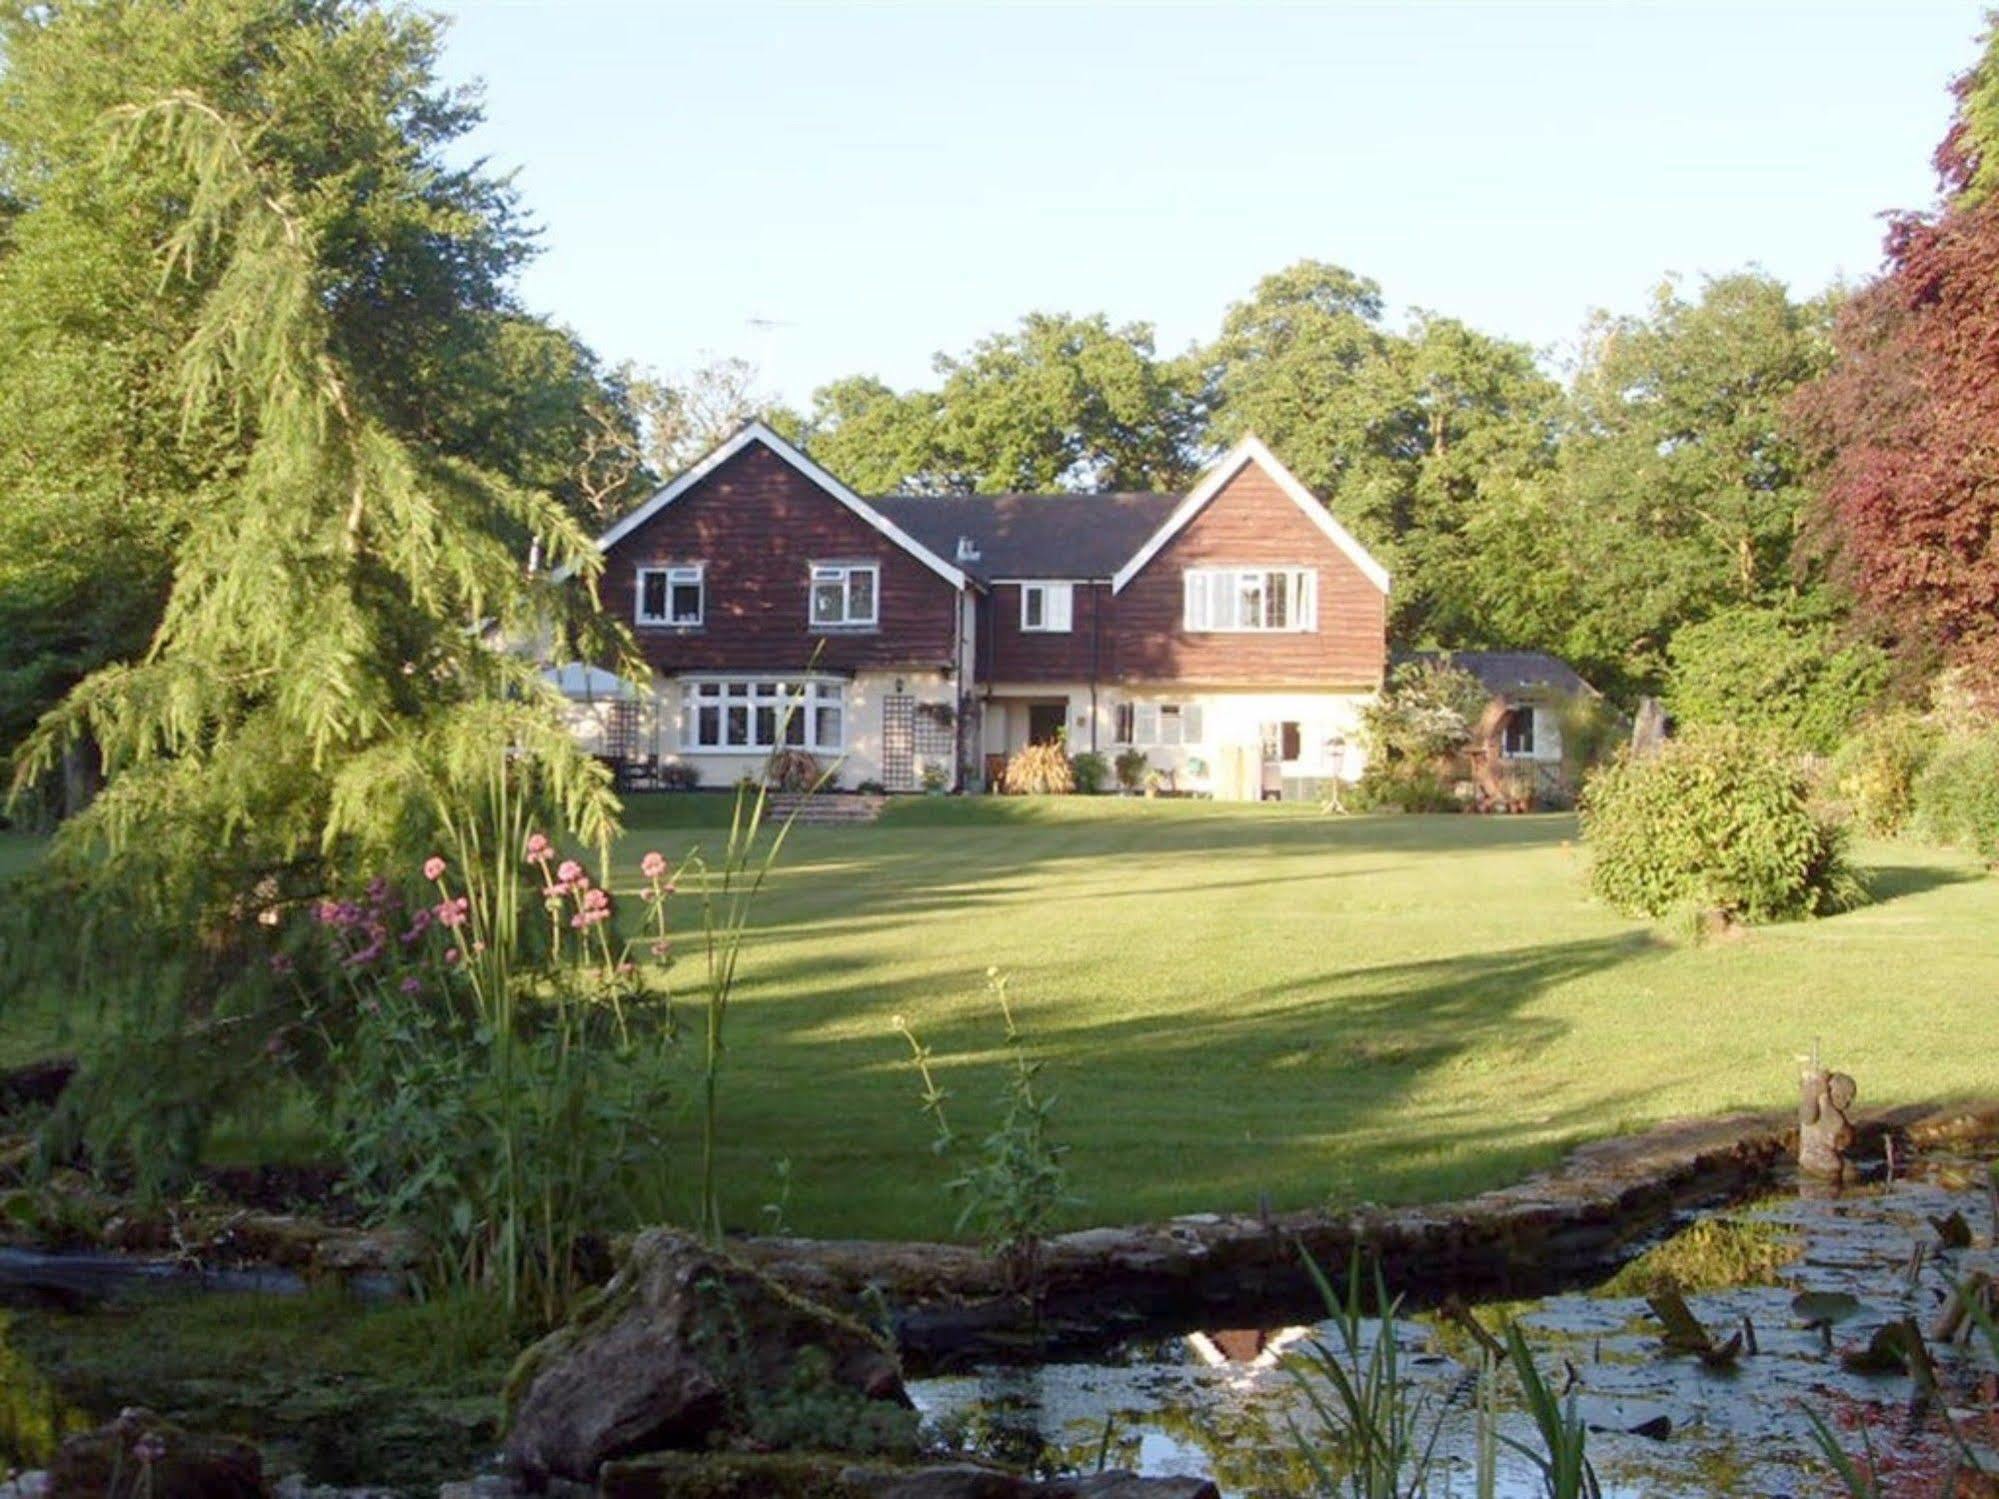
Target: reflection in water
{"x":1221,"y":1404}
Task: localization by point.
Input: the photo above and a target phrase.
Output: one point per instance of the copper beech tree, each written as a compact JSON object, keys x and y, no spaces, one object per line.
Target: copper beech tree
{"x":1905,"y":422}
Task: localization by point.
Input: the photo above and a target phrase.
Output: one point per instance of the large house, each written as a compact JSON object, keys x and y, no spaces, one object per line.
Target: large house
{"x":1231,"y":634}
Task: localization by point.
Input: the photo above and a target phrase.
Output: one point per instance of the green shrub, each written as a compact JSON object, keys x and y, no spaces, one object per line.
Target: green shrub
{"x":1719,"y":820}
{"x":1401,"y":788}
{"x":1131,"y":768}
{"x":1427,"y":710}
{"x":1957,"y":795}
{"x":1090,"y":771}
{"x":1786,"y":670}
{"x":1872,"y":779}
{"x":1040,"y":770}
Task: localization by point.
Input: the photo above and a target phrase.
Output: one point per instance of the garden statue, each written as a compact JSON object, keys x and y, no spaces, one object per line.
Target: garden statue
{"x":1825,"y":1129}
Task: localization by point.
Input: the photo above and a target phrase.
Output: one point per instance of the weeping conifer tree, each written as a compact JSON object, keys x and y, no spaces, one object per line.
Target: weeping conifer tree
{"x":323,"y":677}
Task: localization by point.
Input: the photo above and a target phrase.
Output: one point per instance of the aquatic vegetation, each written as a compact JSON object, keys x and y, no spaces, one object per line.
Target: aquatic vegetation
{"x":1711,"y":1254}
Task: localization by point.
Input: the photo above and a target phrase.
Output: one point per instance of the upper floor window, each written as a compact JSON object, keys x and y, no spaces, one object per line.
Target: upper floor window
{"x":846,"y":593}
{"x":1518,"y":733}
{"x":671,"y":595}
{"x":1251,"y":598}
{"x":1047,"y":606}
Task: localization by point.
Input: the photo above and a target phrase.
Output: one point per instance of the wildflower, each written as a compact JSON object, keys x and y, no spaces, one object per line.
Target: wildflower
{"x":420,"y":920}
{"x":275,"y":1046}
{"x":477,"y":948}
{"x":281,"y":963}
{"x":453,"y":913}
{"x":150,"y":1448}
{"x":553,"y":893}
{"x":569,"y":871}
{"x":539,"y":848}
{"x":327,"y":913}
{"x":412,"y":985}
{"x":451,"y":955}
{"x":371,"y":1006}
{"x":661,"y":949}
{"x":433,"y":868}
{"x":378,"y":889}
{"x":653,"y":865}
{"x":627,"y":968}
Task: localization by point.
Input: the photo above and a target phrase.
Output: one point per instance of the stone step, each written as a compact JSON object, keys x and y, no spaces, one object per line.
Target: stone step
{"x":827,"y":809}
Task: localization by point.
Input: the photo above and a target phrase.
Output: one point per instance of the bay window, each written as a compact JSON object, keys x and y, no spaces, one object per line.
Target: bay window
{"x":718,"y":714}
{"x":1242,"y":599}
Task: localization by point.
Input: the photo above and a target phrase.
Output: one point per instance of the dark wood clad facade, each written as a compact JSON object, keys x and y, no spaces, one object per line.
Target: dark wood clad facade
{"x":1250,"y":521}
{"x":757,"y":525}
{"x":1017,"y":655}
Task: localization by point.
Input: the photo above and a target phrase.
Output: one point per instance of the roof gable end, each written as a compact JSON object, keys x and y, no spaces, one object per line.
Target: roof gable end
{"x":1251,"y":450}
{"x":757,"y":432}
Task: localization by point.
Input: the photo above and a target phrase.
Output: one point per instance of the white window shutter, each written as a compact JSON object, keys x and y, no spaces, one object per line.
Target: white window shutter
{"x":1190,"y":724}
{"x":1062,"y":604}
{"x":1196,"y":611}
{"x":1146,"y":723}
{"x":1307,"y":601}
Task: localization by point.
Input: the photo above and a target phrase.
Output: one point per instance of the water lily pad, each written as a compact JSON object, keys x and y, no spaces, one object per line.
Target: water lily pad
{"x":1824,"y":1308}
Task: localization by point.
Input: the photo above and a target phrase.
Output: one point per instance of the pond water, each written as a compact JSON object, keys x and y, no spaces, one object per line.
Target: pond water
{"x":1222,"y":1405}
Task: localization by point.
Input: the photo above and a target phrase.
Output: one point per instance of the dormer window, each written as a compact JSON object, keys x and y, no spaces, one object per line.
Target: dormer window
{"x":845,"y":594}
{"x":1047,"y":607}
{"x":675,"y":595}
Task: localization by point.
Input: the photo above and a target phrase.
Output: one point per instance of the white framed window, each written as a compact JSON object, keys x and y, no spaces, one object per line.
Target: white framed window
{"x":846,"y":593}
{"x":1158,"y":725}
{"x":1047,"y":607}
{"x":721,"y":714}
{"x":674,"y":595}
{"x":1225,"y":600}
{"x":1517,"y":742}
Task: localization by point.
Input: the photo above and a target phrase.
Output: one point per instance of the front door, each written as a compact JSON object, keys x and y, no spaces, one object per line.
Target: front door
{"x":1046,"y":721}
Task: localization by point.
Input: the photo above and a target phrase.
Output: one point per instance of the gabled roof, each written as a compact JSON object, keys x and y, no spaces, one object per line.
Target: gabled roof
{"x":1073,"y":536}
{"x":1251,"y":450}
{"x":1510,"y":673}
{"x":757,"y":432}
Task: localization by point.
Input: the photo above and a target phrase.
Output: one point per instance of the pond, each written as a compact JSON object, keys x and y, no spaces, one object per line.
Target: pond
{"x":347,"y":1391}
{"x":1222,"y":1404}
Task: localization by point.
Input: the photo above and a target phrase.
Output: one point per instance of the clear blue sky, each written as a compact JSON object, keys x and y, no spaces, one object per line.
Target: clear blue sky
{"x":889,"y":180}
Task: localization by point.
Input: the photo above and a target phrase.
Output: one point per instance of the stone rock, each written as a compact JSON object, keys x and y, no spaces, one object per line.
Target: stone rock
{"x":1120,"y":1485}
{"x":675,"y":1352}
{"x":956,"y":1481}
{"x":148,"y":1456}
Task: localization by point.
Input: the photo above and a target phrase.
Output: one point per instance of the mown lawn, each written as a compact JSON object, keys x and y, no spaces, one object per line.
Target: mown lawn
{"x":1246,"y":1004}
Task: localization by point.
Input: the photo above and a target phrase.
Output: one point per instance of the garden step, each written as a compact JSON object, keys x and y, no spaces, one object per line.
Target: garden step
{"x":825,"y":811}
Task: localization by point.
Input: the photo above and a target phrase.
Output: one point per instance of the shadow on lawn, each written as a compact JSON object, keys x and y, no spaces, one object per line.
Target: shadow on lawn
{"x":1289,"y":1094}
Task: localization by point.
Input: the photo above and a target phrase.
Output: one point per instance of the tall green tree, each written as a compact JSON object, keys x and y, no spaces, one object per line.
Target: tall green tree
{"x":317,"y":685}
{"x":1059,"y":403}
{"x":1679,"y":488}
{"x":103,"y":464}
{"x":1399,"y":432}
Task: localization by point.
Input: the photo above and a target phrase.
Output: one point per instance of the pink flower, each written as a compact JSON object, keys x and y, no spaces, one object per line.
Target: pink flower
{"x":281,"y":963}
{"x":451,"y":955}
{"x":653,"y":865}
{"x":539,"y":848}
{"x":433,"y":868}
{"x":627,"y":968}
{"x":569,"y":871}
{"x":412,"y":985}
{"x":477,"y":948}
{"x":453,"y":913}
{"x":661,"y":949}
